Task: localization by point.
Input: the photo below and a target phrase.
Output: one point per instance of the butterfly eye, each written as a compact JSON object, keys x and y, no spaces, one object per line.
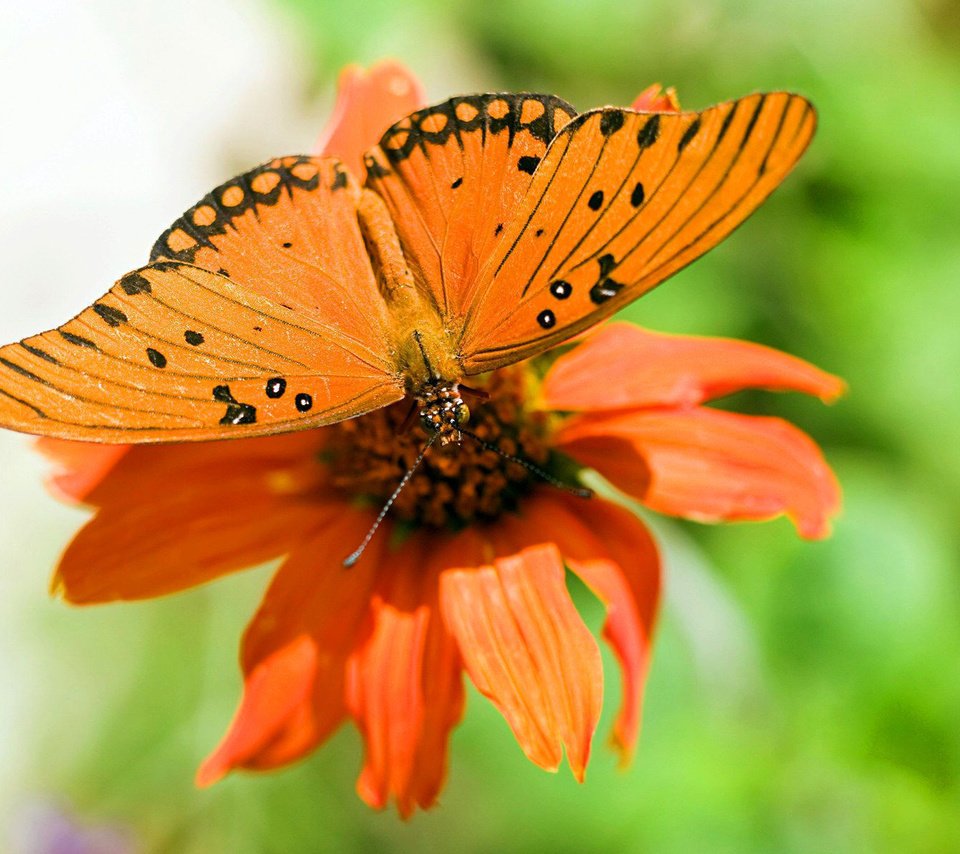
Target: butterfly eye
{"x":462,"y":414}
{"x":428,"y":421}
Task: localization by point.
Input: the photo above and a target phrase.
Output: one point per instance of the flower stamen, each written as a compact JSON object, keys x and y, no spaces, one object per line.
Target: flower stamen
{"x":456,"y":484}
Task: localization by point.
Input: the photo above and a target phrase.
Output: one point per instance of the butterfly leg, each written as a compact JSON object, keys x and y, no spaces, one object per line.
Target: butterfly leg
{"x":478,"y":393}
{"x":408,"y":419}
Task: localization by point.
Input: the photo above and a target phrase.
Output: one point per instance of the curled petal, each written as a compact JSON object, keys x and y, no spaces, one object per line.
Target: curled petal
{"x":710,"y":466}
{"x":654,"y":369}
{"x":273,"y":691}
{"x":655,"y":99}
{"x":404,"y":684}
{"x":78,"y":466}
{"x":368,"y":102}
{"x":526,"y":649}
{"x":299,"y":733}
{"x":313,"y":615}
{"x":614,"y":554}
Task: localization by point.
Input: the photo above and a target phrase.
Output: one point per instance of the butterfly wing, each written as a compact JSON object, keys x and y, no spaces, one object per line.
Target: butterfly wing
{"x":452,"y":175}
{"x":294,"y":338}
{"x":288,"y":231}
{"x":621,"y":201}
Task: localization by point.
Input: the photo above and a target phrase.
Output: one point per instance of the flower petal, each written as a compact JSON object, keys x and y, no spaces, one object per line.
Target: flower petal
{"x":526,"y":649}
{"x":405,"y":689}
{"x":368,"y":102}
{"x":78,"y":466}
{"x":173,"y":517}
{"x":654,"y":369}
{"x":146,"y":471}
{"x":654,"y":99}
{"x":710,"y":466}
{"x":272,"y":692}
{"x":295,"y":651}
{"x":614,"y":554}
{"x":152,"y":549}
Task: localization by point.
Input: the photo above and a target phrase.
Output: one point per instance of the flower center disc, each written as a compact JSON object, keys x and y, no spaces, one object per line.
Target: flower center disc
{"x":456,"y":483}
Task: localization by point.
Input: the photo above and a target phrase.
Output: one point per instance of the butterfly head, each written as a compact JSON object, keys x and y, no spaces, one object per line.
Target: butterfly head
{"x":443,"y":412}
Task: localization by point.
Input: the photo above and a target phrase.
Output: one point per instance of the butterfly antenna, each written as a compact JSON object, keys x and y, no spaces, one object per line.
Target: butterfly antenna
{"x":355,"y":556}
{"x":580,"y":492}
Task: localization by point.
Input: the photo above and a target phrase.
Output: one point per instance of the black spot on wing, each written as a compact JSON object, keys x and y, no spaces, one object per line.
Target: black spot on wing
{"x":13,"y":366}
{"x":157,"y":359}
{"x":649,"y":133}
{"x":77,"y":340}
{"x":547,"y":319}
{"x":595,"y":201}
{"x":109,"y":315}
{"x":276,"y":387}
{"x":727,"y":120}
{"x":604,"y":290}
{"x":339,"y":180}
{"x":753,"y":121}
{"x":40,"y":354}
{"x":528,"y":164}
{"x":303,"y":402}
{"x":237,"y":413}
{"x":689,"y":134}
{"x":134,"y":283}
{"x":637,"y":196}
{"x":375,"y":169}
{"x":194,"y":339}
{"x":611,"y":121}
{"x":607,"y":264}
{"x":456,"y":183}
{"x":605,"y":287}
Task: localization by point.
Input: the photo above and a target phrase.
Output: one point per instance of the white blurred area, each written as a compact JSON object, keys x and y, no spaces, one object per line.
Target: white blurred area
{"x":114,"y":117}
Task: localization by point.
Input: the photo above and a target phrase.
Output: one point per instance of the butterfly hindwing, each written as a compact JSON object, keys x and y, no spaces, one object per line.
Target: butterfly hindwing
{"x":621,"y":201}
{"x":175,"y":352}
{"x":451,"y":176}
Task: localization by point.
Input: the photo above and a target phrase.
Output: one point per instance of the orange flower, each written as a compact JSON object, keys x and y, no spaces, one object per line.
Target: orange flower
{"x":468,"y":572}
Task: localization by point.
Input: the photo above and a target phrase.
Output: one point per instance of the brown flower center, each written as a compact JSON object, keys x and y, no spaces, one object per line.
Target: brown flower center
{"x":457,"y":483}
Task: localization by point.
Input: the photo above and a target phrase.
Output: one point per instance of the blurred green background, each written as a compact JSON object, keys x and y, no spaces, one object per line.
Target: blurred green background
{"x":804,"y":696}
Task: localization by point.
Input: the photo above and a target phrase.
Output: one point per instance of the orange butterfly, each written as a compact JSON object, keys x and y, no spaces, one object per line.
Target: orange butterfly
{"x":491,"y":228}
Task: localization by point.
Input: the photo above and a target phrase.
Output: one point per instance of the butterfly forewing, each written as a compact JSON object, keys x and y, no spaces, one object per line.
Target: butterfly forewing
{"x":288,"y":230}
{"x":621,"y":201}
{"x":452,"y":175}
{"x":174,"y":352}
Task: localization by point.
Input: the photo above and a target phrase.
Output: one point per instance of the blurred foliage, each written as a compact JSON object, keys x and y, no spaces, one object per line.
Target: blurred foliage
{"x":804,"y":697}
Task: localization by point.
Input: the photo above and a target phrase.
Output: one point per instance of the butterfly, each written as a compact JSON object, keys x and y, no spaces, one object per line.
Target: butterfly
{"x":489,"y":228}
